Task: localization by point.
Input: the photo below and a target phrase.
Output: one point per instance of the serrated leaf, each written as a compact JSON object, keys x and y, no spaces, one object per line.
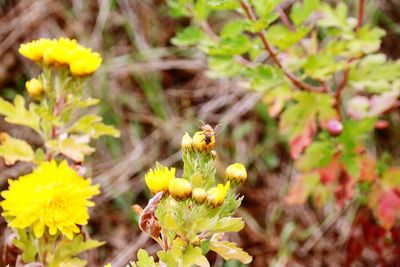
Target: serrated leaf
{"x":281,"y":37}
{"x":336,"y":17}
{"x":72,"y":248}
{"x":144,"y":260}
{"x":301,"y":11}
{"x":188,"y":36}
{"x":74,"y":147}
{"x":25,"y":243}
{"x":228,"y":224}
{"x":374,"y":73}
{"x":92,"y":125}
{"x":13,"y":150}
{"x":17,"y":113}
{"x":299,"y":121}
{"x":229,"y":250}
{"x":193,"y":256}
{"x":265,"y":8}
{"x":318,"y":154}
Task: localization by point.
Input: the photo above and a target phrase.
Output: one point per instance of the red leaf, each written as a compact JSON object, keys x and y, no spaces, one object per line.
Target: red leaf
{"x":345,"y":188}
{"x":300,"y":142}
{"x":388,"y":208}
{"x":330,"y":173}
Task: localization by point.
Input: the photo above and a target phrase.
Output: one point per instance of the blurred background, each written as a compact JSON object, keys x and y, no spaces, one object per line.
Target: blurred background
{"x":154,"y":92}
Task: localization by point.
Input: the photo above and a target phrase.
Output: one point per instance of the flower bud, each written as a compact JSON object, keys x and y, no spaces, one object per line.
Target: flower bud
{"x":199,"y":195}
{"x":180,"y":188}
{"x":34,"y":87}
{"x":335,"y":127}
{"x":203,"y":143}
{"x":216,"y":195}
{"x":236,"y":173}
{"x":187,"y":142}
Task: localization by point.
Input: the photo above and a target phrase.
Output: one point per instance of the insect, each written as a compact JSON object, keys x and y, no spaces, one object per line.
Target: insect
{"x":209,"y":132}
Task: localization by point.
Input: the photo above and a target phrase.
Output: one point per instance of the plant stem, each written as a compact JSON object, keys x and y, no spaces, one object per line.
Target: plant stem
{"x":293,"y":78}
{"x":360,"y":14}
{"x":345,"y":78}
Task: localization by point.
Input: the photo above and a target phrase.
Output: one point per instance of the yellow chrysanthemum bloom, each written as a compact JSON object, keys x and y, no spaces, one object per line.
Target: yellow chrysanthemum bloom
{"x":84,"y":62}
{"x":236,"y":173}
{"x":157,"y":180}
{"x":216,"y":195}
{"x":34,"y":87}
{"x":35,"y":49}
{"x":80,"y":60}
{"x":52,"y":196}
{"x":180,"y":188}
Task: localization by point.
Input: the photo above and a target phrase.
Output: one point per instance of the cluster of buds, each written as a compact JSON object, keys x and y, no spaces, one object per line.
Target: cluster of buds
{"x":162,"y":179}
{"x":188,"y":211}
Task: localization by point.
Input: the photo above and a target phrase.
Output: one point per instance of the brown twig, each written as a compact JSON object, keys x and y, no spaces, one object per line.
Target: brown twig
{"x":360,"y":14}
{"x":274,"y":56}
{"x":345,"y":78}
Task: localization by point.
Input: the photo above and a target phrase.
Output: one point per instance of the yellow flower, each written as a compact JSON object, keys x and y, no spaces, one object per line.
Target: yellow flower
{"x":180,"y":188}
{"x":216,"y":195}
{"x":157,"y":180}
{"x":199,"y":195}
{"x":80,"y":60}
{"x":108,"y":265}
{"x":34,"y":87}
{"x":84,"y":62}
{"x":200,"y":144}
{"x":34,"y":50}
{"x":52,"y":196}
{"x":236,"y":173}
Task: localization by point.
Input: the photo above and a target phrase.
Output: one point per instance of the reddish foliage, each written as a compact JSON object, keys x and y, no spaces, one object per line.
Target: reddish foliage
{"x":371,"y":243}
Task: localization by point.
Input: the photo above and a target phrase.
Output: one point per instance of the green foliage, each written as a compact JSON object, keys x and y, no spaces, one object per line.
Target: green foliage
{"x":322,"y":78}
{"x":12,"y":150}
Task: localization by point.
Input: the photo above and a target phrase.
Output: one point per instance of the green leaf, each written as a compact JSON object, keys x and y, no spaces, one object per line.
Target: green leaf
{"x":177,"y":8}
{"x":299,"y":121}
{"x":353,"y":133}
{"x":17,"y":113}
{"x":336,"y":17}
{"x":301,"y":11}
{"x":92,"y":125}
{"x":223,"y":4}
{"x":144,"y":260}
{"x":265,"y":8}
{"x":13,"y":149}
{"x":223,"y":66}
{"x":25,"y":243}
{"x":69,"y":249}
{"x":193,"y":256}
{"x":322,"y":66}
{"x":189,"y":36}
{"x":74,"y":147}
{"x":228,"y":224}
{"x":318,"y":154}
{"x":229,"y":250}
{"x":231,"y":46}
{"x":234,"y":28}
{"x":281,"y":37}
{"x":374,"y":73}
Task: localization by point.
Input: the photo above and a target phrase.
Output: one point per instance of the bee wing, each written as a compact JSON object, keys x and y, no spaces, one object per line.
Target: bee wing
{"x":201,"y":123}
{"x":218,"y":128}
